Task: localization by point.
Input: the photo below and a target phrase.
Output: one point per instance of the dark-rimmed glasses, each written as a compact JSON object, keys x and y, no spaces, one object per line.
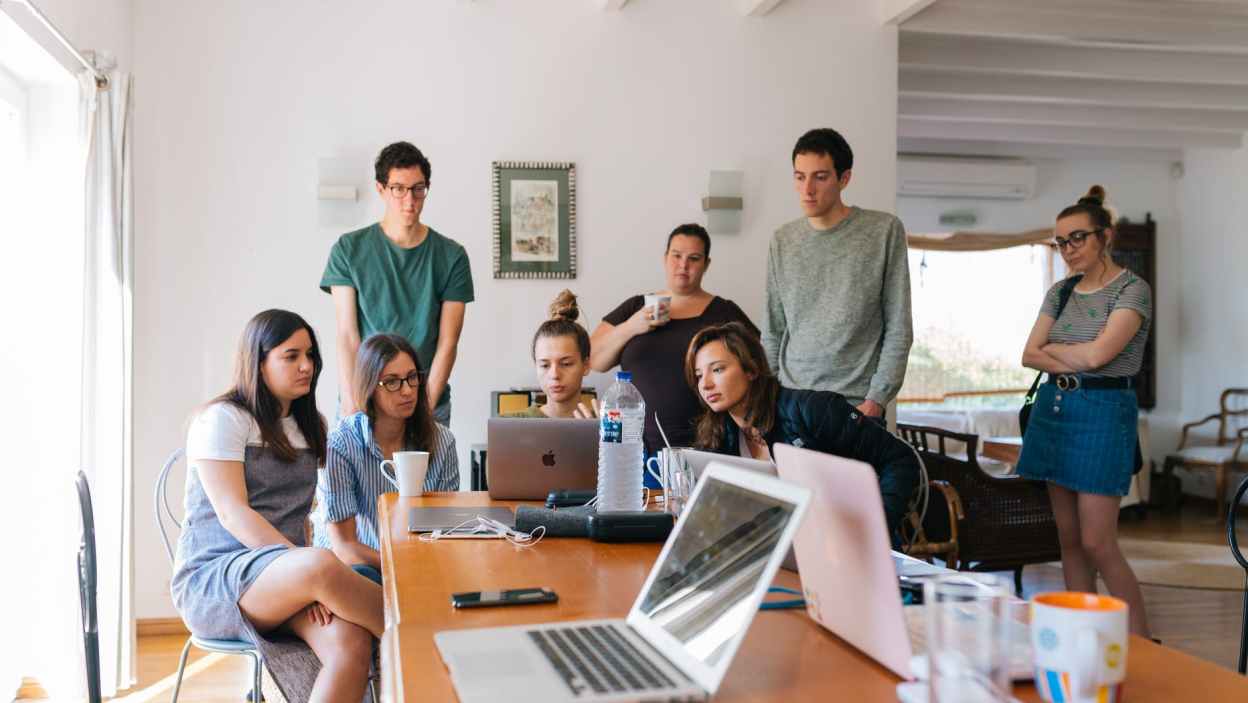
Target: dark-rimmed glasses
{"x":400,"y":191}
{"x":1076,"y":240}
{"x":394,"y":383}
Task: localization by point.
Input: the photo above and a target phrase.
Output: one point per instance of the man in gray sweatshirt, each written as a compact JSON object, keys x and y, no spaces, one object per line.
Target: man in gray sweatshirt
{"x":838,"y":286}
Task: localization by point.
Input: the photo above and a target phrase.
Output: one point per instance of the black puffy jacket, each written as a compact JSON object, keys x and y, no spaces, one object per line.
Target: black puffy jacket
{"x":824,"y":421}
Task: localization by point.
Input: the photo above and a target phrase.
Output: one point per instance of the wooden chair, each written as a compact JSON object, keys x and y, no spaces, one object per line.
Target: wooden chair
{"x":977,"y":521}
{"x":516,"y":399}
{"x":1223,"y":457}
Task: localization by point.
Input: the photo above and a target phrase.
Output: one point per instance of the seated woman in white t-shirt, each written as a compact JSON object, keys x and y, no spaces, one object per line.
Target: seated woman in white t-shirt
{"x":243,"y":570}
{"x":395,"y":417}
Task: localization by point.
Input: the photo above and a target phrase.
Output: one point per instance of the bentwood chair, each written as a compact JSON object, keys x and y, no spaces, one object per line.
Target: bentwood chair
{"x":239,"y":647}
{"x":984,"y":522}
{"x":87,"y":589}
{"x":1243,"y":561}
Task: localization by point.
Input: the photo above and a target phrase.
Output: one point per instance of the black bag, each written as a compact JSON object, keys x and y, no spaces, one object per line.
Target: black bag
{"x":1024,"y":413}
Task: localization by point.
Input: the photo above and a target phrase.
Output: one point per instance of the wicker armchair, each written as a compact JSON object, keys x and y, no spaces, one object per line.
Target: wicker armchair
{"x":976,"y":521}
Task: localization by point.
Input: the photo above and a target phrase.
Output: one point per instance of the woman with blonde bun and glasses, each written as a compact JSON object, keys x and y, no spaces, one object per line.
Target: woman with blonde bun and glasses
{"x":560,"y":352}
{"x":1081,"y":436}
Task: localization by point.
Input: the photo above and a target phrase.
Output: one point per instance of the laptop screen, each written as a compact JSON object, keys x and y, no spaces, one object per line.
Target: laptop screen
{"x":700,"y":593}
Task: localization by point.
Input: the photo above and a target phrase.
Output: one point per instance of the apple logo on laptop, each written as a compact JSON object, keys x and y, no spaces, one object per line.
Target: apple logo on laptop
{"x":548,"y":459}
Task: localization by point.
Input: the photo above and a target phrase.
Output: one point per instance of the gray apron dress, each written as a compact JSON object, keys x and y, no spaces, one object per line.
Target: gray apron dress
{"x":213,"y":569}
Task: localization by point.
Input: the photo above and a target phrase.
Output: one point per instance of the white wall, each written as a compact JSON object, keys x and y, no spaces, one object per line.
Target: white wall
{"x":1135,"y":187}
{"x":1213,"y":317}
{"x":236,"y":102}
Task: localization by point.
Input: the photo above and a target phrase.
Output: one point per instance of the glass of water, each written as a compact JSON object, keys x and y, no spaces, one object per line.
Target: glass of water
{"x":967,"y":643}
{"x":677,"y":479}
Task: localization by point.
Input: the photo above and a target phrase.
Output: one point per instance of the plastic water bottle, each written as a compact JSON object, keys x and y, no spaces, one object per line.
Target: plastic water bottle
{"x":623,"y":417}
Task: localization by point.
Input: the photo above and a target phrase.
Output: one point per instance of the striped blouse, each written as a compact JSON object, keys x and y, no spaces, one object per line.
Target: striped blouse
{"x":352,"y":480}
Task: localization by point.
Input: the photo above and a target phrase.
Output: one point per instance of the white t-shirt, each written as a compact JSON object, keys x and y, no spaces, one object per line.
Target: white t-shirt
{"x":223,"y":431}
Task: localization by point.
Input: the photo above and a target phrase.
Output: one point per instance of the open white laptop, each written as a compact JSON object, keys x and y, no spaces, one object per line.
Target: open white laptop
{"x":849,"y":579}
{"x":684,"y":628}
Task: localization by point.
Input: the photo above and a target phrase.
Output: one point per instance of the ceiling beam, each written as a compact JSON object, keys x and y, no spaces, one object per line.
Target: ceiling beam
{"x":898,"y":11}
{"x":1039,"y":58}
{"x":919,"y":145}
{"x":1060,"y":134}
{"x":921,"y":82}
{"x":758,"y":8}
{"x":1000,"y":111}
{"x":1084,"y":22}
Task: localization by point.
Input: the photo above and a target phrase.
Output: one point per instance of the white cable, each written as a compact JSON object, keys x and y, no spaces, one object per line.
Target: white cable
{"x":924,"y":489}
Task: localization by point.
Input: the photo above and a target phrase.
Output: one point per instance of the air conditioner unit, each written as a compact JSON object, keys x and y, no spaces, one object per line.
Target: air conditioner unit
{"x":944,"y":177}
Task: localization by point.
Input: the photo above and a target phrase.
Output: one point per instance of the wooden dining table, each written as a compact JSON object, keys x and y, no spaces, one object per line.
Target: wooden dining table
{"x":1004,"y":449}
{"x":786,"y":656}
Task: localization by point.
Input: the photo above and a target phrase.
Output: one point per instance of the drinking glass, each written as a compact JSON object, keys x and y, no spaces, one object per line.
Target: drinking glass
{"x":967,"y":617}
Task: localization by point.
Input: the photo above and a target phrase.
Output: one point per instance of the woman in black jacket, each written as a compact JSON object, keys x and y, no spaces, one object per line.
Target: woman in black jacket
{"x":746,"y":411}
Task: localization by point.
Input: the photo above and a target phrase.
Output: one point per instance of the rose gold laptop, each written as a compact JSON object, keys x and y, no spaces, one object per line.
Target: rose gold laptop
{"x":842,"y":547}
{"x":849,"y":573}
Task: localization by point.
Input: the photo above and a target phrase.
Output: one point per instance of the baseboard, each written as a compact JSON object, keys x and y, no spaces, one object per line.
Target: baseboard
{"x":149,"y":627}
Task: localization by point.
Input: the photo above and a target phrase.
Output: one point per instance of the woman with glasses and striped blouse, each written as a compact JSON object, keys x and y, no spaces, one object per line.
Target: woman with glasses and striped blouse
{"x":395,"y":417}
{"x":1081,"y":437}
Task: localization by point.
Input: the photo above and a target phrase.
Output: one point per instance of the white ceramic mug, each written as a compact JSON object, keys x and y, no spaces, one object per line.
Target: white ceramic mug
{"x":409,"y":472}
{"x":1080,"y":643}
{"x":662,"y":306}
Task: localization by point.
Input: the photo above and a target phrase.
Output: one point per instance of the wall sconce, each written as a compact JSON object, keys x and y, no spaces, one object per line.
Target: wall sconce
{"x":723,"y":203}
{"x":338,"y":187}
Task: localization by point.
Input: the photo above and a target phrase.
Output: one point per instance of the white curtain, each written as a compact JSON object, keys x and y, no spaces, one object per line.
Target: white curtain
{"x":106,"y":430}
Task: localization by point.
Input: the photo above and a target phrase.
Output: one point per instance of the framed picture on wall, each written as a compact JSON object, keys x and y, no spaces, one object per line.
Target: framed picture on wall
{"x":534,"y":206}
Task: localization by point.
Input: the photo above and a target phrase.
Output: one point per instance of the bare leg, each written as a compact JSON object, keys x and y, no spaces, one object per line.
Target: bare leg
{"x":308,"y":575}
{"x":1098,"y":521}
{"x":345,"y":650}
{"x":1076,"y":566}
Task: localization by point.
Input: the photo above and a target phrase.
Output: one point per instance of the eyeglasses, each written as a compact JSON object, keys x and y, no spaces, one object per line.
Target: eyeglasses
{"x":1076,"y":240}
{"x":400,"y":191}
{"x":394,"y":383}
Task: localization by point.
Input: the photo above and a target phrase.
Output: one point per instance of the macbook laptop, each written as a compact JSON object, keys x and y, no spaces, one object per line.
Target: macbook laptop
{"x":684,"y":628}
{"x":699,"y":460}
{"x":527,"y":458}
{"x":849,"y":578}
{"x":444,"y":518}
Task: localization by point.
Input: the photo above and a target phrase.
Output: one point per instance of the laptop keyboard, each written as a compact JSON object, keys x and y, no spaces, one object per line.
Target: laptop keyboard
{"x":598,"y":659}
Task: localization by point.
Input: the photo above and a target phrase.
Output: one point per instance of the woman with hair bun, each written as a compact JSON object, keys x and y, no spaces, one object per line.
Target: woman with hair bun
{"x":1081,"y":437}
{"x":560,"y":352}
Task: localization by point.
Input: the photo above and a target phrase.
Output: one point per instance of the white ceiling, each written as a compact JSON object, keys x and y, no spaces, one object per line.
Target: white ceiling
{"x":1028,"y":76}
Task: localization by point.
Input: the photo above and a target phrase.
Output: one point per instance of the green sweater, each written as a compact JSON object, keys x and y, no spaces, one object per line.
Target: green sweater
{"x":531,"y":411}
{"x":838,"y":306}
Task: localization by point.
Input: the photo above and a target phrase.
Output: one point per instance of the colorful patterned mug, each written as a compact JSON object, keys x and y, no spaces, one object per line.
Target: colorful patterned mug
{"x":1080,"y":642}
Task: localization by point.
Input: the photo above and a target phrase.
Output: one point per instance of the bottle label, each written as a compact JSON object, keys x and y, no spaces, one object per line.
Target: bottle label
{"x":612,"y":427}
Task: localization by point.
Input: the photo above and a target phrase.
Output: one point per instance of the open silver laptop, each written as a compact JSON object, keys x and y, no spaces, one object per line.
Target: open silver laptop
{"x":527,"y":458}
{"x":422,"y":519}
{"x":684,"y":628}
{"x":849,"y":578}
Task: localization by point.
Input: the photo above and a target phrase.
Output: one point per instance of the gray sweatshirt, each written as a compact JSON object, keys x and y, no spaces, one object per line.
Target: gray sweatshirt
{"x":838,"y":306}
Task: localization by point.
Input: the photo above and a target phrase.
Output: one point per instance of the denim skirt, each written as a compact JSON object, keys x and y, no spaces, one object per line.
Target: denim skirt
{"x":1083,"y":440}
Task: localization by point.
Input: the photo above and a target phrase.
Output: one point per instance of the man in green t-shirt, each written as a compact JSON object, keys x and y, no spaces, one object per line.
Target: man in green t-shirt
{"x":400,"y":276}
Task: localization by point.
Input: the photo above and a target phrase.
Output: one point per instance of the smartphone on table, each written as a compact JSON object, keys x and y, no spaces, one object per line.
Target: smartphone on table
{"x":514,"y":596}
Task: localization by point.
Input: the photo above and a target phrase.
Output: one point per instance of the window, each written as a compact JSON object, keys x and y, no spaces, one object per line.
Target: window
{"x":972,"y":312}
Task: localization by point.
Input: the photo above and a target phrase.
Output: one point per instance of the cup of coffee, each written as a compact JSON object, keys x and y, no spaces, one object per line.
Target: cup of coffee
{"x":661,"y":305}
{"x":409,"y":472}
{"x":1080,"y":643}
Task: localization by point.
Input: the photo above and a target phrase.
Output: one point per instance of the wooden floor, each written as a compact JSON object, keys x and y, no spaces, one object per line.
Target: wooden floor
{"x":1203,"y":623}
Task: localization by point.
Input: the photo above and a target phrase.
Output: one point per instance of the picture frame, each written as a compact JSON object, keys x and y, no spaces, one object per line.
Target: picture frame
{"x":534,"y":213}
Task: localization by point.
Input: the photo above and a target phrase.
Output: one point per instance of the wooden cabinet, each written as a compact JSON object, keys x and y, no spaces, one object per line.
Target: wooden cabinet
{"x":1136,"y":249}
